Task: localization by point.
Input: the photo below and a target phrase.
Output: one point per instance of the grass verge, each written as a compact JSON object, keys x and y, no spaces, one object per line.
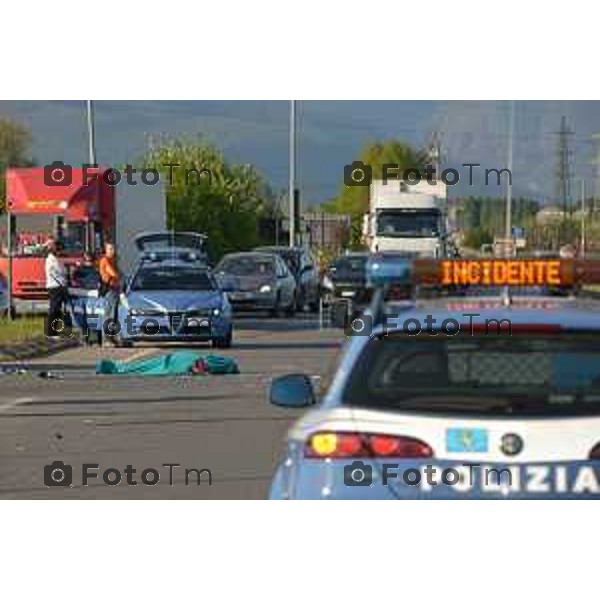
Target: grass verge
{"x":23,"y":329}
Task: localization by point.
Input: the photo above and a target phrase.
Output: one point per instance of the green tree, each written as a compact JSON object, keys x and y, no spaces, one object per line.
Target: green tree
{"x":476,"y":237}
{"x":207,"y":194}
{"x":15,"y":144}
{"x":354,"y":200}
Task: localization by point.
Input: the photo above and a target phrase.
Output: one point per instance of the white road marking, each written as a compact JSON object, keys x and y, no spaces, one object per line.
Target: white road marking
{"x":16,"y":402}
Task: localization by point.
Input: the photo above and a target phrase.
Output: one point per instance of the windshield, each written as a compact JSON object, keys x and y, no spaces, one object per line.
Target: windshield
{"x":247,"y":265}
{"x":522,"y":374}
{"x":35,"y":230}
{"x":349,"y":267}
{"x":155,"y":279}
{"x":398,"y":223}
{"x":290,"y":257}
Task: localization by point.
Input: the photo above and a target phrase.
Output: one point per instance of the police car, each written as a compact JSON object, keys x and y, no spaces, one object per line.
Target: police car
{"x":173,"y":295}
{"x":470,"y":397}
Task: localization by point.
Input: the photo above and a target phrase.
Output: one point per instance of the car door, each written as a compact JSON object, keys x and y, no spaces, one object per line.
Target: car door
{"x":309,"y":278}
{"x":287,"y":281}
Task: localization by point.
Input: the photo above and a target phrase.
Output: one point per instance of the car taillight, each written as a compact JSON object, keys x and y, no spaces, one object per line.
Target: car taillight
{"x":340,"y":444}
{"x":595,"y":453}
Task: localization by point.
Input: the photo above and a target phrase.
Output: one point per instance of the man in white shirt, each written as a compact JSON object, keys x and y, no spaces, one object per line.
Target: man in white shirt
{"x":56,"y":285}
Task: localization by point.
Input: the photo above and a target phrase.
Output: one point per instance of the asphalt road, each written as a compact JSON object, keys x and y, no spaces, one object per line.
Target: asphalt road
{"x":220,"y":423}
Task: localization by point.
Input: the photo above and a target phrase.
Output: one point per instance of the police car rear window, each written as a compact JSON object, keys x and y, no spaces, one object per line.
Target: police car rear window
{"x":522,"y":374}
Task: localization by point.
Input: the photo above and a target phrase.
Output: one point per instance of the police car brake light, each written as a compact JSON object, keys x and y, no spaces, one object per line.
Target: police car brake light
{"x":328,"y":444}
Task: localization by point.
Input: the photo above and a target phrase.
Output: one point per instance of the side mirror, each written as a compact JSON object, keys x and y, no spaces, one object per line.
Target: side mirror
{"x":292,"y":391}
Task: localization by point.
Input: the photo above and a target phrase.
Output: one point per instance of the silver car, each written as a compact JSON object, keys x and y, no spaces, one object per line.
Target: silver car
{"x":257,"y":281}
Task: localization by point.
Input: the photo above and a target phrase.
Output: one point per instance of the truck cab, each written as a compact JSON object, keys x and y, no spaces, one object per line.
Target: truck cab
{"x":80,"y":215}
{"x":407,"y":218}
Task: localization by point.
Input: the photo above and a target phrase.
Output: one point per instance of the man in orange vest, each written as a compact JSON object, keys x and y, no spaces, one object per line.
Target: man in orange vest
{"x":109,"y":272}
{"x":110,"y":280}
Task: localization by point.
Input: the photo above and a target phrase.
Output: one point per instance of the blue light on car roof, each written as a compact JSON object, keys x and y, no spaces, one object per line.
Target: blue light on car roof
{"x":388,"y":269}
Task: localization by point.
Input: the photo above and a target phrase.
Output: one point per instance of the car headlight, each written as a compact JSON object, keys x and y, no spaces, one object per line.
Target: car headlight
{"x":265,"y":289}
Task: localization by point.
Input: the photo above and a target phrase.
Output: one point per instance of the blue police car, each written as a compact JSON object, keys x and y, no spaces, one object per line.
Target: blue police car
{"x":173,"y":295}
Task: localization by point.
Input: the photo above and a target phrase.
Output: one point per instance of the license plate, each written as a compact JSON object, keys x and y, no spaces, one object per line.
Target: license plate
{"x":243,"y":295}
{"x":466,"y":440}
{"x":348,"y":294}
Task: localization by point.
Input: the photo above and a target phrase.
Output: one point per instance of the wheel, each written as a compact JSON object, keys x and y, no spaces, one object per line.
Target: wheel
{"x":276,"y":310}
{"x":291,"y":309}
{"x":301,"y":301}
{"x":225,"y":342}
{"x":315,"y":304}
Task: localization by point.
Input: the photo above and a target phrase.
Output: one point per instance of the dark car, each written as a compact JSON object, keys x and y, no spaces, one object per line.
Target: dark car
{"x":257,"y":281}
{"x":347,"y":276}
{"x":303,"y":268}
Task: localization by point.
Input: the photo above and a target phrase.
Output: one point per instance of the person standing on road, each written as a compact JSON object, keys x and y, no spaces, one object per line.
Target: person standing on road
{"x":56,"y":286}
{"x":110,"y":279}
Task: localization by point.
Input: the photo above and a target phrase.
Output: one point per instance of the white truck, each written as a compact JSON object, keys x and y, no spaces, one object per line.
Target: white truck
{"x":139,"y":209}
{"x":407,"y":218}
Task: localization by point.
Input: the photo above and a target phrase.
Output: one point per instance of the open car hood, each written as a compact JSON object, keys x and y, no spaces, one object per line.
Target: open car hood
{"x":165,"y":240}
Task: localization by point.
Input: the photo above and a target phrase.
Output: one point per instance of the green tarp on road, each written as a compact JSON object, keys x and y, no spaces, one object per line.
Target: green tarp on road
{"x":175,"y":363}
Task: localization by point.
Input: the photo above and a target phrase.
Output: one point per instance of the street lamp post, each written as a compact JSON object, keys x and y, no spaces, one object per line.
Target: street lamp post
{"x":583,"y":208}
{"x":91,"y":132}
{"x":511,"y":126}
{"x":292,"y":166}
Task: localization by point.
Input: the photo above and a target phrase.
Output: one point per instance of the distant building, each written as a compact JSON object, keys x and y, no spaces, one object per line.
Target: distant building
{"x":326,"y":231}
{"x":549,"y":214}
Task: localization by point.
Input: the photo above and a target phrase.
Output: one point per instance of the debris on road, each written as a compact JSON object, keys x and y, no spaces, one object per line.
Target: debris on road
{"x":12,"y":371}
{"x":50,"y":375}
{"x":176,"y":363}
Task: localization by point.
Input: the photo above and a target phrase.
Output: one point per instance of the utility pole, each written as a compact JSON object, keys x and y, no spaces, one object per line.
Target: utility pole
{"x":293,"y":196}
{"x":92,"y":159}
{"x":91,"y":132}
{"x":583,"y":215}
{"x":434,"y":152}
{"x":596,"y":164}
{"x":10,"y":249}
{"x":511,"y":126}
{"x":563,"y":167}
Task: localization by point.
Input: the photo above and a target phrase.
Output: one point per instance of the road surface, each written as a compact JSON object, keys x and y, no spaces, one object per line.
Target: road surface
{"x":220,"y":423}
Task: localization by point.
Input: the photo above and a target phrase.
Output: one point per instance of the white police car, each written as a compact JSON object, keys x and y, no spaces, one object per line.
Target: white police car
{"x":456,"y":398}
